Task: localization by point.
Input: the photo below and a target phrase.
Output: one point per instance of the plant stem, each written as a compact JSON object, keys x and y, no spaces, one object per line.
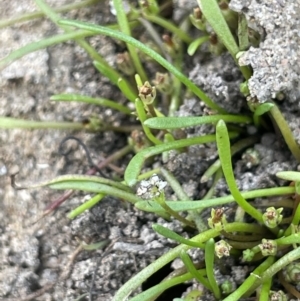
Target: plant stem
{"x":152,"y":292}
{"x":193,"y":214}
{"x":143,"y":275}
{"x":249,"y":282}
{"x":285,"y":131}
{"x":161,"y":201}
{"x":176,"y":237}
{"x":169,"y":26}
{"x":139,"y":106}
{"x":85,"y":206}
{"x":125,"y":28}
{"x":114,"y":34}
{"x":275,"y":268}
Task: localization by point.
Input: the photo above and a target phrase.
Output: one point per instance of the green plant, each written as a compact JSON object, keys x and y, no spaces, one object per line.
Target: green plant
{"x":263,"y":229}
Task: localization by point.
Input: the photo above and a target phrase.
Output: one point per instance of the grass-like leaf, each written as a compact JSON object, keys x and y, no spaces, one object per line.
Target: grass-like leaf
{"x":131,"y":285}
{"x":85,"y":179}
{"x":96,"y":101}
{"x":135,"y":165}
{"x":165,"y":123}
{"x":223,"y":144}
{"x":209,"y":265}
{"x":125,"y":28}
{"x":213,"y":15}
{"x":174,"y":236}
{"x":120,"y":36}
{"x":183,"y":205}
{"x":192,"y":269}
{"x":85,"y":206}
{"x":14,"y":123}
{"x":41,"y":44}
{"x":289,"y":175}
{"x":96,"y":188}
{"x":156,"y":290}
{"x":196,"y":44}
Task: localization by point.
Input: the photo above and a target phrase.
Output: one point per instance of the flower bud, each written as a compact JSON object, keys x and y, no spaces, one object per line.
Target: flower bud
{"x":248,"y":255}
{"x":217,"y":219}
{"x":230,"y":16}
{"x":124,"y":63}
{"x":292,"y":273}
{"x":215,"y":46}
{"x":228,"y":287}
{"x":147,"y":93}
{"x":268,"y":247}
{"x":197,"y":19}
{"x":272,"y":217}
{"x":163,"y":83}
{"x":278,"y":296}
{"x":222,"y":248}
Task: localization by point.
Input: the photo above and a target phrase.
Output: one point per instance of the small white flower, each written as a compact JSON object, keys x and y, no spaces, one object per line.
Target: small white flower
{"x":151,"y":188}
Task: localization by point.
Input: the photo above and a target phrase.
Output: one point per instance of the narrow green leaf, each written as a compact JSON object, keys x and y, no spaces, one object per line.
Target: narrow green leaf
{"x":183,"y":205}
{"x":176,"y":237}
{"x":42,"y":44}
{"x":196,"y":44}
{"x":165,"y":123}
{"x":83,"y":179}
{"x":135,"y":165}
{"x":120,"y":36}
{"x":107,"y":71}
{"x":289,"y":175}
{"x":156,"y":290}
{"x":142,"y":116}
{"x":96,"y":101}
{"x":223,"y":144}
{"x":86,"y":205}
{"x":209,"y":265}
{"x":263,"y":108}
{"x":243,"y":33}
{"x":96,"y":188}
{"x":127,"y":90}
{"x":14,"y":123}
{"x":169,"y":26}
{"x":192,"y":269}
{"x":285,"y":131}
{"x":94,"y":246}
{"x":213,"y":15}
{"x":125,"y":28}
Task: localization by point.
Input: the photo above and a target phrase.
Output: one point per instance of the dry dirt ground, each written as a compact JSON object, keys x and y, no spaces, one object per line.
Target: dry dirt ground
{"x":45,"y":255}
{"x":42,"y":260}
